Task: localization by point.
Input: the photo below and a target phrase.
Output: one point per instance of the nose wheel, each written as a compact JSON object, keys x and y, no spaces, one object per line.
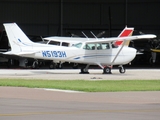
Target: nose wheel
{"x":122,"y":69}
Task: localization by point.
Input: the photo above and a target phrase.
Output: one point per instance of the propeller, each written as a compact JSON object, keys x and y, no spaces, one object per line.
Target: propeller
{"x":100,"y":34}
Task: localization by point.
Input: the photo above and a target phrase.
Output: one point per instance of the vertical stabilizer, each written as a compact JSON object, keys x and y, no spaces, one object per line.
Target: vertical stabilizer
{"x":126,"y":32}
{"x":17,"y":39}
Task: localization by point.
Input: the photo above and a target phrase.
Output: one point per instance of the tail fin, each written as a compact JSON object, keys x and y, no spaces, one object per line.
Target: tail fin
{"x":16,"y":37}
{"x":126,"y":32}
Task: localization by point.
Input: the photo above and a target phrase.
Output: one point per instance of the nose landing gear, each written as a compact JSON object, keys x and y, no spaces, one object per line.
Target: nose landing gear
{"x":122,"y":69}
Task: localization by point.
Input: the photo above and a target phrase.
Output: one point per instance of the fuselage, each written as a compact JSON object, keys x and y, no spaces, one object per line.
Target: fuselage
{"x":81,"y":54}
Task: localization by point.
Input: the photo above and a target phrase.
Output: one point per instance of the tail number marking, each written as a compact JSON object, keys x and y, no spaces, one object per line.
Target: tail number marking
{"x":54,"y":54}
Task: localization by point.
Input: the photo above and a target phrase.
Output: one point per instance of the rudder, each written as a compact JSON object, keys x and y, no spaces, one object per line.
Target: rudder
{"x":126,"y":32}
{"x":16,"y":37}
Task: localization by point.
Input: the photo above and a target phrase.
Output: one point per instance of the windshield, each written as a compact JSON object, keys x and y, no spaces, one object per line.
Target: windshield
{"x":78,"y":45}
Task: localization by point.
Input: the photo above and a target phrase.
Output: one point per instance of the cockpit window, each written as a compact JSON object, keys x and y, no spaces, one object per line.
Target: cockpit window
{"x":103,"y":46}
{"x":78,"y":45}
{"x":89,"y":46}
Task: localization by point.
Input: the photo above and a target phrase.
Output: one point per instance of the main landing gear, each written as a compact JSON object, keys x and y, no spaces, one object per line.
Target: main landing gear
{"x":84,"y":70}
{"x":106,"y":70}
{"x":54,"y":65}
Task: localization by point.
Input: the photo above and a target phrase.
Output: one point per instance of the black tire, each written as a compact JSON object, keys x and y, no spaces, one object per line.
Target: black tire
{"x":122,"y":70}
{"x":84,"y":71}
{"x":59,"y":66}
{"x":107,"y":70}
{"x":75,"y":66}
{"x":35,"y":65}
{"x":52,"y":66}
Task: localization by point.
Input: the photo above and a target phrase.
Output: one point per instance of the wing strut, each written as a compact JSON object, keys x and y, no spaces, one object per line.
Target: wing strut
{"x":124,"y":42}
{"x":100,"y":65}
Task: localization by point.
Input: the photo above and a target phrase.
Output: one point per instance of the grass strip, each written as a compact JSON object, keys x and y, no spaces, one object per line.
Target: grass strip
{"x":86,"y":85}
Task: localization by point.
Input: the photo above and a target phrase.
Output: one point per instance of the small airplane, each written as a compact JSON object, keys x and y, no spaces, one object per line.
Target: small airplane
{"x":95,"y":51}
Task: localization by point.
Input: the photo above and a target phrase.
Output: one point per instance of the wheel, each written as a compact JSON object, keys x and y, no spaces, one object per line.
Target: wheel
{"x":152,"y":61}
{"x":59,"y":66}
{"x":35,"y":65}
{"x":75,"y":66}
{"x":107,"y":70}
{"x":52,"y":66}
{"x":84,"y":71}
{"x":122,"y":70}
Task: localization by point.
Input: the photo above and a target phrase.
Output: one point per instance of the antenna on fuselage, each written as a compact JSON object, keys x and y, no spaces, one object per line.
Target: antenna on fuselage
{"x":85,"y":35}
{"x":42,"y":38}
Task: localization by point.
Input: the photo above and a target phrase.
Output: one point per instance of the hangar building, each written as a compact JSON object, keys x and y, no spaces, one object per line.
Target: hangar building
{"x":66,"y":17}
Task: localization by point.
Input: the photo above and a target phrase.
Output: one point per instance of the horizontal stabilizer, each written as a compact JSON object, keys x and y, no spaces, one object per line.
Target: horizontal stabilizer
{"x":21,"y":53}
{"x":9,"y":53}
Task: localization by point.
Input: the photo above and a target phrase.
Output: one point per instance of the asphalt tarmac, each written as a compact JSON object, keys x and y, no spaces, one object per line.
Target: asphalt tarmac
{"x":39,"y":104}
{"x":73,"y":74}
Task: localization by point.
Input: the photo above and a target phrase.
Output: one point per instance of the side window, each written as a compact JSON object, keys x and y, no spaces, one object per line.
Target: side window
{"x":86,"y":47}
{"x":54,"y":43}
{"x":65,"y":44}
{"x":99,"y":46}
{"x":90,"y":46}
{"x":105,"y":46}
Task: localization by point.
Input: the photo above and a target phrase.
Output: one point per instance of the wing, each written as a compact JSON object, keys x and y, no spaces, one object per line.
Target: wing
{"x":66,"y":39}
{"x":147,"y":36}
{"x":155,"y":50}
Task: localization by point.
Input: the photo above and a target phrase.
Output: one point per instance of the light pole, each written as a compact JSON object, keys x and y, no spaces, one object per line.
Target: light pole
{"x":126,"y":12}
{"x":61,"y":17}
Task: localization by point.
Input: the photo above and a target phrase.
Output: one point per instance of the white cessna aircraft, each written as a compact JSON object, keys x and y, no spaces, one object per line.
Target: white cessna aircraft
{"x":96,"y":51}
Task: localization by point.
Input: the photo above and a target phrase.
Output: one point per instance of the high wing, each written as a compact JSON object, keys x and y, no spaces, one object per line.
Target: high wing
{"x":127,"y":31}
{"x":155,"y":50}
{"x":65,"y":39}
{"x":148,"y":36}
